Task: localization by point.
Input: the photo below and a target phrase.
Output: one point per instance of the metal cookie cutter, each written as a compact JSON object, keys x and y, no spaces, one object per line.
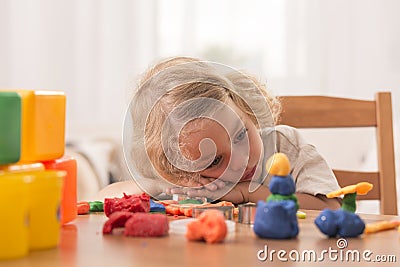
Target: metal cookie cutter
{"x":226,"y":210}
{"x":246,"y":213}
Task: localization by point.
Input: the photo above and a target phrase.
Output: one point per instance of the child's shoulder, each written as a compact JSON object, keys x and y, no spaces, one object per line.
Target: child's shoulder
{"x":285,"y":137}
{"x":281,"y":130}
{"x":118,"y":189}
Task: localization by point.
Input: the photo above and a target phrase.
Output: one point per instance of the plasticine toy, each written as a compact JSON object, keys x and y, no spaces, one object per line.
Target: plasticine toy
{"x":147,"y":225}
{"x":82,"y":207}
{"x":139,"y":224}
{"x":380,"y":226}
{"x":343,"y":222}
{"x":116,"y":220}
{"x":96,"y":206}
{"x":173,"y":207}
{"x":132,"y":203}
{"x":301,"y":214}
{"x":210,"y":226}
{"x":156,"y":207}
{"x":276,"y":218}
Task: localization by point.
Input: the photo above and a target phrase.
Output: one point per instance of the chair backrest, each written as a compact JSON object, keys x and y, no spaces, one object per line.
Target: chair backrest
{"x":334,"y":112}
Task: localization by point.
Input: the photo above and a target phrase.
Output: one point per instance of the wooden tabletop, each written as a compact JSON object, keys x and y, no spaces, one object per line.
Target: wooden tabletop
{"x":83,"y":244}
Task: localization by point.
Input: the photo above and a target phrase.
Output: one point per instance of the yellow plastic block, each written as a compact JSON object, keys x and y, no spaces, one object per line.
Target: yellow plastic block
{"x":43,"y":125}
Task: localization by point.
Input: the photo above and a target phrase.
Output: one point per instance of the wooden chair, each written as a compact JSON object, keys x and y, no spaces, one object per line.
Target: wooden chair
{"x":334,"y":112}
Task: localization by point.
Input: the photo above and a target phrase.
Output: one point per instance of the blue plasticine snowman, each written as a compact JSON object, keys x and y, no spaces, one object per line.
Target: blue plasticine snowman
{"x":276,"y":218}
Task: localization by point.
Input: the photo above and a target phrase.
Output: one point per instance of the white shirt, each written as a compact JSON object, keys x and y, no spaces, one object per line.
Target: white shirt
{"x":309,"y":169}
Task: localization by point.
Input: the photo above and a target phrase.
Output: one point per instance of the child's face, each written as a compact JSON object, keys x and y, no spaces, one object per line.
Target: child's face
{"x":238,"y":147}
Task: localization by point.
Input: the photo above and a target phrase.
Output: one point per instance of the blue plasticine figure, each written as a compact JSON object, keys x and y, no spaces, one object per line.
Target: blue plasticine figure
{"x":282,"y":185}
{"x":343,"y":222}
{"x":276,"y":218}
{"x":282,"y":188}
{"x":339,"y":223}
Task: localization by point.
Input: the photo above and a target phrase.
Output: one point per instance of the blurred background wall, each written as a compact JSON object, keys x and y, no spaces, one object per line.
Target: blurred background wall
{"x":94,"y":50}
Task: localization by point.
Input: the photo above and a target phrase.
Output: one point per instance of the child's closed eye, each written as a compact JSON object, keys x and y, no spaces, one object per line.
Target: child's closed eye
{"x":215,"y":162}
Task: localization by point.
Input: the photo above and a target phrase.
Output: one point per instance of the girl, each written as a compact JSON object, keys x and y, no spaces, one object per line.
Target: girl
{"x":204,"y":129}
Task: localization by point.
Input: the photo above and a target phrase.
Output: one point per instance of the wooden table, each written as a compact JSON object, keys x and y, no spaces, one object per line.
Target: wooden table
{"x":83,"y":244}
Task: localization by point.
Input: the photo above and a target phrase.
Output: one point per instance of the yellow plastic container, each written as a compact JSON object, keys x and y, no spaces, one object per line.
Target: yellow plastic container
{"x":14,"y":210}
{"x":21,"y":167}
{"x":42,"y":125}
{"x":45,"y":201}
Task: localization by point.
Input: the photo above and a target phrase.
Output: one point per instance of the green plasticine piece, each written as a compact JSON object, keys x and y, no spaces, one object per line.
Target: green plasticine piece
{"x":278,"y":197}
{"x":349,"y":202}
{"x":96,"y":206}
{"x":190,"y":201}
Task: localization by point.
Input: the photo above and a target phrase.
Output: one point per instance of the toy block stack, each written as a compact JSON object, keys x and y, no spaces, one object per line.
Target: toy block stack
{"x":32,"y":146}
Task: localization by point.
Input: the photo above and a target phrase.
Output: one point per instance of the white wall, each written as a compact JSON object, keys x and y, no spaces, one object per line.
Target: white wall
{"x":90,"y":49}
{"x":95,"y":49}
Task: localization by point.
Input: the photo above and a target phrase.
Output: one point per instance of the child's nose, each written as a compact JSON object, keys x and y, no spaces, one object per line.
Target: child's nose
{"x":239,"y":161}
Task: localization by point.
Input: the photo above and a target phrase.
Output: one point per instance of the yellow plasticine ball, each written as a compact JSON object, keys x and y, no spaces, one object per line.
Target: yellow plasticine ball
{"x":278,"y":164}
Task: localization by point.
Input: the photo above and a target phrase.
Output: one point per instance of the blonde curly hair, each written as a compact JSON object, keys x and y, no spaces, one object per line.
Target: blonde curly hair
{"x":174,"y":81}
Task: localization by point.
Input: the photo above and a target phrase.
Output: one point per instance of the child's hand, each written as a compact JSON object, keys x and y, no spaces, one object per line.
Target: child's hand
{"x":212,"y":193}
{"x":209,"y":184}
{"x":230,"y":192}
{"x":235,"y":193}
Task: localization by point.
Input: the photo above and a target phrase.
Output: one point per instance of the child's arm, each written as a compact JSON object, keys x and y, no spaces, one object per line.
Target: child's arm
{"x":240,"y":194}
{"x":318,"y":202}
{"x":306,"y":201}
{"x":117,"y":189}
{"x":150,"y":186}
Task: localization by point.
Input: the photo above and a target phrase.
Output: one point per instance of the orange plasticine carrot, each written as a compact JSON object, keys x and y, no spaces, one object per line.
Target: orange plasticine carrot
{"x":380,"y":226}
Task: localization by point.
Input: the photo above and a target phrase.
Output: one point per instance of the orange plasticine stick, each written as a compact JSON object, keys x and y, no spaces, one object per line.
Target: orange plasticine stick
{"x":361,"y":188}
{"x":380,"y":226}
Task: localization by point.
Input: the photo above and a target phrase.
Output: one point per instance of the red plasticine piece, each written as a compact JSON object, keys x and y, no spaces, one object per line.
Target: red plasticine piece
{"x":132,"y":203}
{"x":147,"y":225}
{"x":117,"y":219}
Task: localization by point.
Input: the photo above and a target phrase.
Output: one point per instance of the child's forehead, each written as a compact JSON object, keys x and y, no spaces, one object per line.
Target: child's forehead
{"x":229,"y":118}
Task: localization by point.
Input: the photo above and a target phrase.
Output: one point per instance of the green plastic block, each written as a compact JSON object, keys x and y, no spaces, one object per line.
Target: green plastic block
{"x":10,"y":127}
